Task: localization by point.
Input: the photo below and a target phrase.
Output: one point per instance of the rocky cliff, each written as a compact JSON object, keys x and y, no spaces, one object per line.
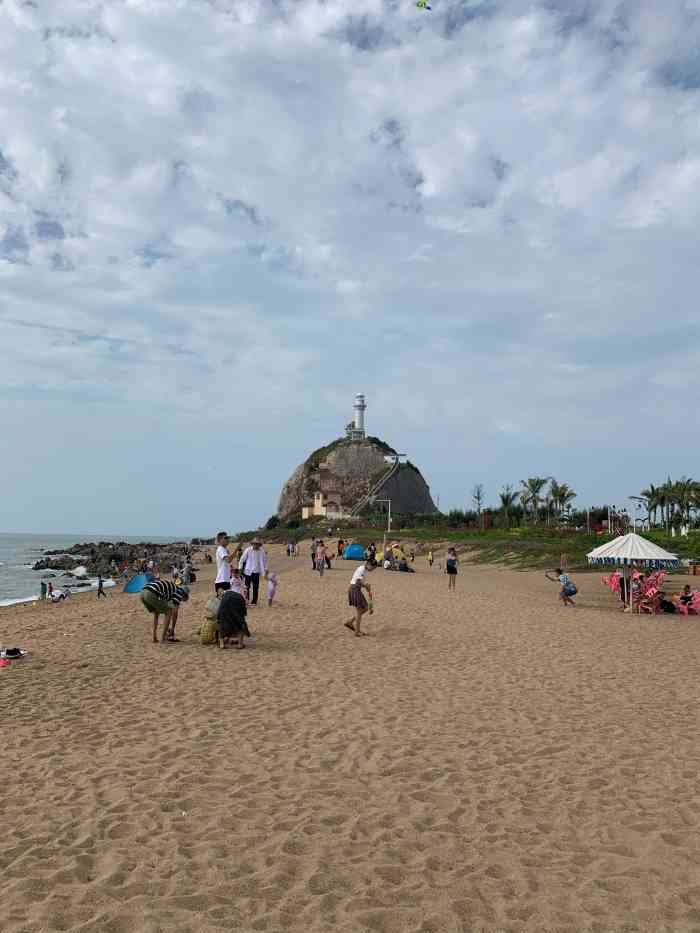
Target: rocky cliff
{"x":346,"y":470}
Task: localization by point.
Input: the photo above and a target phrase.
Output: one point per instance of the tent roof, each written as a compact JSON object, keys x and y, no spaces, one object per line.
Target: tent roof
{"x":632,"y":550}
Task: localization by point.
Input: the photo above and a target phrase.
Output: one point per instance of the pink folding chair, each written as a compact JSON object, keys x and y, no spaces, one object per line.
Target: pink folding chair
{"x":691,"y":608}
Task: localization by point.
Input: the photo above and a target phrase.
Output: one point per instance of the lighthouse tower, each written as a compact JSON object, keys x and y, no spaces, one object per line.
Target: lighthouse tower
{"x":355,"y":431}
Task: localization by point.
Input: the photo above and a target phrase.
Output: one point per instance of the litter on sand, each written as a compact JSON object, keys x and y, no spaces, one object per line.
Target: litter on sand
{"x":12,"y":654}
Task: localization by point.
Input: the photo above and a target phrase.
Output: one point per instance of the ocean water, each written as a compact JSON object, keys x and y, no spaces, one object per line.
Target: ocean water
{"x":19,"y":583}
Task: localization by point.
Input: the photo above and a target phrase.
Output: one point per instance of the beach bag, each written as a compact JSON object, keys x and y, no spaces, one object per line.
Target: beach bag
{"x":570,"y":589}
{"x":208,"y":634}
{"x":213,"y":607}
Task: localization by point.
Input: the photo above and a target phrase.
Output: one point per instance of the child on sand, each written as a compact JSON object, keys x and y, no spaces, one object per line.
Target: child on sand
{"x":271,"y":587}
{"x":568,"y":589}
{"x":356,"y":597}
{"x":451,"y":565}
{"x":237,"y":583}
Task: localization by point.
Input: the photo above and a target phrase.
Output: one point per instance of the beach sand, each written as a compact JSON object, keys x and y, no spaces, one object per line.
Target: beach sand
{"x":486,"y":761}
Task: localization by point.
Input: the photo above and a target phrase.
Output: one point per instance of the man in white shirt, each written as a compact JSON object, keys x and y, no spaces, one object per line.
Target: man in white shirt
{"x":223,"y":564}
{"x":253,"y":562}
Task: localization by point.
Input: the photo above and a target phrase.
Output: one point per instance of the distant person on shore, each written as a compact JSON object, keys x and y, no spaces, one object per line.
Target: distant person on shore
{"x":568,"y":588}
{"x":253,"y":563}
{"x":222,"y":581}
{"x":314,"y":544}
{"x":320,"y":557}
{"x":231,"y":620}
{"x":451,"y":565}
{"x":49,"y":590}
{"x":161,"y":597}
{"x":356,"y":598}
{"x":101,"y":587}
{"x":340,"y":549}
{"x":43,"y":589}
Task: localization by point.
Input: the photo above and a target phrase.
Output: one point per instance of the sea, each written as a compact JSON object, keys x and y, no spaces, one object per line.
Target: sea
{"x":18,"y":553}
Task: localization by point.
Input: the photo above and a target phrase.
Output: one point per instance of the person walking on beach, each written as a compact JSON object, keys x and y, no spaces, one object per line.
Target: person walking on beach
{"x":253,"y":563}
{"x":356,"y":598}
{"x":451,"y":565}
{"x":161,"y":597}
{"x":314,"y":544}
{"x":568,"y":588}
{"x":320,"y":557}
{"x":100,"y":587}
{"x":222,"y":581}
{"x":431,"y":557}
{"x":43,"y":590}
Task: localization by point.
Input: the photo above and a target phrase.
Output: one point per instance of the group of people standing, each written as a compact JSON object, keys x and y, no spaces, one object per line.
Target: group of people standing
{"x":237,"y":585}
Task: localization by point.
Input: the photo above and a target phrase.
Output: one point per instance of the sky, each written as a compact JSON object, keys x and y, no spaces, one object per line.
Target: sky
{"x":220,"y":220}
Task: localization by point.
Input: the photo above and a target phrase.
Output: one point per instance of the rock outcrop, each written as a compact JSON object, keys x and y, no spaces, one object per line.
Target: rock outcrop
{"x":346,"y":471}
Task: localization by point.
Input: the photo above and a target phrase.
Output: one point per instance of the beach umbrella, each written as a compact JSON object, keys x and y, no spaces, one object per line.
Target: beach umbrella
{"x":629,"y":551}
{"x":137,"y":583}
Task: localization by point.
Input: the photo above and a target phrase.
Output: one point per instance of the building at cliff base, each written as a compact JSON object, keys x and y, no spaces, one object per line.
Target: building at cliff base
{"x":343,"y":479}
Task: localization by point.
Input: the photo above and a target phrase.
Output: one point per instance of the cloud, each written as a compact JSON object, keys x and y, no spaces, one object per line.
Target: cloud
{"x":236,"y":215}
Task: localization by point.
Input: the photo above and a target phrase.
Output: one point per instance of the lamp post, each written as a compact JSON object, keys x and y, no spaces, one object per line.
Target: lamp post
{"x":639,"y":501}
{"x":388,"y":524}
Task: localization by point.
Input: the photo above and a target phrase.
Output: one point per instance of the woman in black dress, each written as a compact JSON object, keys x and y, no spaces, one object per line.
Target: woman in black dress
{"x":231,"y":619}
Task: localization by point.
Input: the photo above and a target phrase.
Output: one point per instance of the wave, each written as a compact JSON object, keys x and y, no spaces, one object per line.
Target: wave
{"x":74,"y":592}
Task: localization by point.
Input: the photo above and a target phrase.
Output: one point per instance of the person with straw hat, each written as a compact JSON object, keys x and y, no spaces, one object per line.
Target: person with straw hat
{"x":253,"y":563}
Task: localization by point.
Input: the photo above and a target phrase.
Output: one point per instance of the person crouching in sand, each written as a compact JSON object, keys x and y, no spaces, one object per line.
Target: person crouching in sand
{"x":356,"y":597}
{"x":231,"y":620}
{"x":568,"y":588}
{"x":161,"y":597}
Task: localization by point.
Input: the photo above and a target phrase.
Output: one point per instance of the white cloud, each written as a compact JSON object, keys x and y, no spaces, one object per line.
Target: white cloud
{"x":481,"y":208}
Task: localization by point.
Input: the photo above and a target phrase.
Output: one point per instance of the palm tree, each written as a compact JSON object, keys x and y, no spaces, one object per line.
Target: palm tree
{"x":566,"y":496}
{"x":508,"y":497}
{"x":478,"y":498}
{"x":554,"y":493}
{"x":683,"y":491}
{"x":652,"y":497}
{"x":532,"y":487}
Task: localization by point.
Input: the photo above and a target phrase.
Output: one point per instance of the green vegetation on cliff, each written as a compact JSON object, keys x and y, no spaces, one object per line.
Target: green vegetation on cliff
{"x":314,"y":460}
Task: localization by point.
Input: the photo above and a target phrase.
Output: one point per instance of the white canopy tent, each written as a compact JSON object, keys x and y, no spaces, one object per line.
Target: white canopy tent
{"x":629,"y":551}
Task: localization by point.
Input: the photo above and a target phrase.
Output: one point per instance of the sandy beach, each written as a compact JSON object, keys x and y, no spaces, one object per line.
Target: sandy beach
{"x":485,"y":761}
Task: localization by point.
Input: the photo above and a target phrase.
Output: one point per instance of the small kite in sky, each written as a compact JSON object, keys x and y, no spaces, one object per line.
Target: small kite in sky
{"x":423,"y":5}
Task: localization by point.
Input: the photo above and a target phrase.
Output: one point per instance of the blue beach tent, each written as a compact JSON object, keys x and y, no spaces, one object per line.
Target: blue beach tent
{"x":137,"y":583}
{"x":354,"y":552}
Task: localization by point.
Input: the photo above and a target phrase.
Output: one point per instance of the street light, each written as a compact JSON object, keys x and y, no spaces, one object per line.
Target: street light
{"x":388,"y":526}
{"x":639,"y":501}
{"x":373,"y":500}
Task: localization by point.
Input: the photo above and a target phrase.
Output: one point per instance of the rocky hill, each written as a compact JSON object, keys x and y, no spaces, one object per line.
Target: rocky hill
{"x":347,"y":470}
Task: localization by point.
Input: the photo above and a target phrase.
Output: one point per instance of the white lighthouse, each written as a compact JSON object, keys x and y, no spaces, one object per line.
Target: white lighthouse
{"x":356,"y":429}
